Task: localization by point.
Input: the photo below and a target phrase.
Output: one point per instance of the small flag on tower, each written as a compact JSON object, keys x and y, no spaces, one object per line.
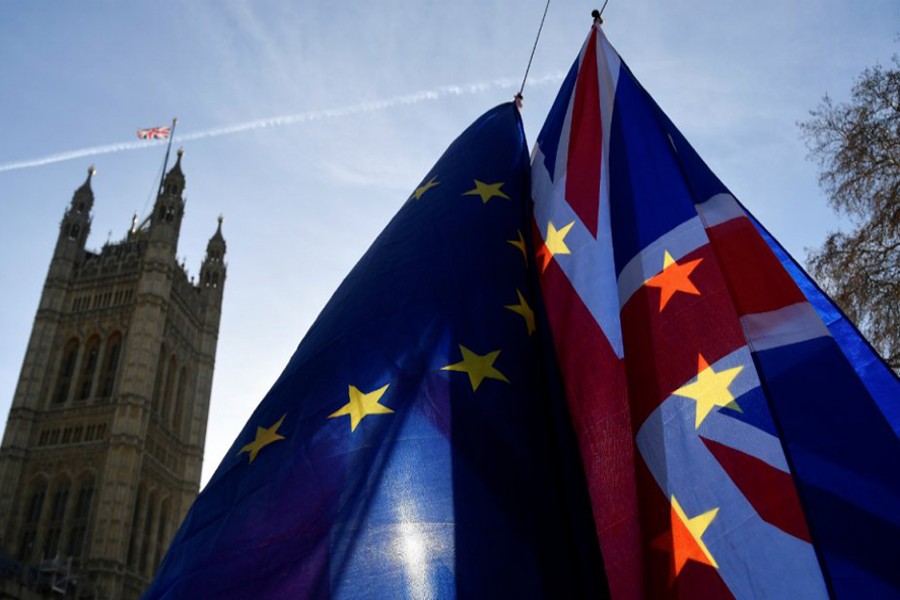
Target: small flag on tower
{"x":154,"y":133}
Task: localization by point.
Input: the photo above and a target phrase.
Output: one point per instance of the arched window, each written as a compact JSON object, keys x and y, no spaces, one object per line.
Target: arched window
{"x":161,"y":534}
{"x":88,"y":366}
{"x":134,"y":536}
{"x":31,"y":518}
{"x":74,"y":230}
{"x":56,"y":517}
{"x":168,"y":394}
{"x":81,"y":516}
{"x":66,"y":371}
{"x":158,"y":384}
{"x":178,"y":417}
{"x":147,"y":534}
{"x":178,"y":421}
{"x":110,"y":365}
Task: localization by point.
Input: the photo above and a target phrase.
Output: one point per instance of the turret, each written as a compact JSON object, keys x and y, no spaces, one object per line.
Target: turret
{"x":212,"y":271}
{"x":76,"y":222}
{"x":165,"y":222}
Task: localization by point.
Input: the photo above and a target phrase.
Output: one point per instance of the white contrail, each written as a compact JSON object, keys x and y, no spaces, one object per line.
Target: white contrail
{"x":304,"y":117}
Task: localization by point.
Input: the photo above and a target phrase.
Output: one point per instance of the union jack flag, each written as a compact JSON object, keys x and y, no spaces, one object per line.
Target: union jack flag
{"x":154,"y":133}
{"x":740,"y":438}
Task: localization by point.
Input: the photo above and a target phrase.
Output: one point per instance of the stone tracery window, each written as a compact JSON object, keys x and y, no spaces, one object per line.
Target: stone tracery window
{"x":88,"y":367}
{"x":146,"y":536}
{"x":161,"y":533}
{"x":169,"y":391}
{"x":178,"y":417}
{"x":134,"y":541}
{"x":31,"y":518}
{"x":55,"y":519}
{"x":66,"y":371}
{"x":110,"y":365}
{"x":80,"y":518}
{"x":157,"y":401}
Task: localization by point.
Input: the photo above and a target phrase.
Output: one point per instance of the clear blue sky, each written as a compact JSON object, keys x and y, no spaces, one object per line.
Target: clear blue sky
{"x":303,"y":200}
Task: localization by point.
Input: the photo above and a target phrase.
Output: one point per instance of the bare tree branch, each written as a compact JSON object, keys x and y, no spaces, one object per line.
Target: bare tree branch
{"x":857,"y":146}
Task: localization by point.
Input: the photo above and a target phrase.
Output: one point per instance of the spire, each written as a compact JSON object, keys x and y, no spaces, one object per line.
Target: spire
{"x":76,"y":222}
{"x":86,"y":186}
{"x":169,"y":207}
{"x":212,"y":271}
{"x":217,"y":236}
{"x":173,"y":184}
{"x":215,"y":249}
{"x":83,"y":198}
{"x":177,"y":167}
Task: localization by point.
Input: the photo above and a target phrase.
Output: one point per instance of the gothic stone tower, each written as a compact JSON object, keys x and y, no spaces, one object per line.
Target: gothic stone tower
{"x":103,"y":447}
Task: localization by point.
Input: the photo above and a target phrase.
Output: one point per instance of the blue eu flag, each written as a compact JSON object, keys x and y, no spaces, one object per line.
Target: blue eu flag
{"x":410,"y":449}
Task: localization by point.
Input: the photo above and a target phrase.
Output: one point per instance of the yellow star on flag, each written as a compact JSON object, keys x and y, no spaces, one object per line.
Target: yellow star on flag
{"x":685,"y":540}
{"x":486,"y":191}
{"x":674,"y":278}
{"x":362,"y":405}
{"x":477,"y":367}
{"x":710,"y":389}
{"x":264,"y":437}
{"x":420,"y":191}
{"x":523,"y":309}
{"x":520,"y":244}
{"x":554,"y":244}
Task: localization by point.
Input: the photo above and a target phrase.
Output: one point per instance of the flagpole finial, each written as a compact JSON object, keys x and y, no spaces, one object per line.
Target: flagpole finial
{"x":597,"y":18}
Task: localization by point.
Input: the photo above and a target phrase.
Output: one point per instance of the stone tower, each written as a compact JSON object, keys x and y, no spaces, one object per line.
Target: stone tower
{"x":103,"y":446}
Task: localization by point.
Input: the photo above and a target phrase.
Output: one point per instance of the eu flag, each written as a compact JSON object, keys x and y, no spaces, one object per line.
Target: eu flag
{"x":410,"y":449}
{"x":740,"y":439}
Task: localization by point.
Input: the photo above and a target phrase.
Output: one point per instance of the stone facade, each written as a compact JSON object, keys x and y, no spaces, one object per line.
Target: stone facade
{"x":102,"y":451}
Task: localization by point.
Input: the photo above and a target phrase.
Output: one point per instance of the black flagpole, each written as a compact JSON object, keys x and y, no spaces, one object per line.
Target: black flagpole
{"x":162,"y":177}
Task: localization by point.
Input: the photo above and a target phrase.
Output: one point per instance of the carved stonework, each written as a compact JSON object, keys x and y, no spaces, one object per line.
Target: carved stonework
{"x":111,"y":402}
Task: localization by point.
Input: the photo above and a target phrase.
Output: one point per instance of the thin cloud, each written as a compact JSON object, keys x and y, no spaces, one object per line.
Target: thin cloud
{"x":295,"y":119}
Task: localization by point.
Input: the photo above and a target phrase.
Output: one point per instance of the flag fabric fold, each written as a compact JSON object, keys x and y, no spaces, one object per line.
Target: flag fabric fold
{"x":411,"y":447}
{"x":739,"y":436}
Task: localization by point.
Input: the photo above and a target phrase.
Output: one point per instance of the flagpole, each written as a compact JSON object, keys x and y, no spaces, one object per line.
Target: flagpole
{"x":162,"y":176}
{"x":598,"y":14}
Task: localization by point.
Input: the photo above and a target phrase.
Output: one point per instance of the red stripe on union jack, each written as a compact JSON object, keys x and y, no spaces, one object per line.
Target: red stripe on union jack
{"x":586,"y":142}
